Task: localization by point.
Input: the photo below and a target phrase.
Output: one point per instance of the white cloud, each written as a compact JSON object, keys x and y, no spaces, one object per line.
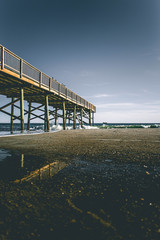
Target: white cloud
{"x":103,"y":95}
{"x":101,"y":84}
{"x":146,"y":91}
{"x":129,"y":116}
{"x":130,"y":105}
{"x":116,"y":105}
{"x":85,"y":73}
{"x":100,"y":96}
{"x":128,"y":112}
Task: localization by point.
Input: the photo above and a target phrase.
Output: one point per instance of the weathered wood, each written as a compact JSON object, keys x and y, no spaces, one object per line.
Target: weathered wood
{"x":12,"y":79}
{"x":9,"y":114}
{"x":55,"y":116}
{"x":82,"y":118}
{"x":69,"y":119}
{"x":22,"y":160}
{"x":29,"y":115}
{"x":38,"y":116}
{"x":64,"y":115}
{"x":22,"y":108}
{"x":74,"y":117}
{"x":37,"y":108}
{"x":90,"y":117}
{"x":7,"y":105}
{"x":21,"y":68}
{"x":46,"y":114}
{"x":2,"y":60}
{"x":40,"y":79}
{"x":31,"y":112}
{"x":12,"y":113}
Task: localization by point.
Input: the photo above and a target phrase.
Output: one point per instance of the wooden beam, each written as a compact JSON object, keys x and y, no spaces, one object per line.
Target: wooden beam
{"x":74,"y":117}
{"x":55,"y":116}
{"x":64,"y":116}
{"x":69,"y":119}
{"x":29,"y":115}
{"x":15,"y":117}
{"x":21,"y":68}
{"x":89,"y":117}
{"x":12,"y":113}
{"x":46,"y":114}
{"x":40,"y":79}
{"x":22,"y":108}
{"x":7,"y":105}
{"x":2,"y":60}
{"x":82,"y":118}
{"x":37,"y":108}
{"x":92,"y":118}
{"x":38,"y":116}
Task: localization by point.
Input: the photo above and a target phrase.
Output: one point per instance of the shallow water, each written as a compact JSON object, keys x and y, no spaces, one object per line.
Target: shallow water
{"x":15,"y":165}
{"x":4,"y":154}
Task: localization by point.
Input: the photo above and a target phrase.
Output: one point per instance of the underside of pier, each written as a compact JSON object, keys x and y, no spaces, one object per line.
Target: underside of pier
{"x":53,"y":100}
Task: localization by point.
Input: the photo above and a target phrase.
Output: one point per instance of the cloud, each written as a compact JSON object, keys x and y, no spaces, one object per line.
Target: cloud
{"x":100,"y":96}
{"x":96,"y":84}
{"x":148,"y":112}
{"x":116,"y":105}
{"x":125,"y":106}
{"x":146,"y":91}
{"x":85,"y":73}
{"x":129,"y":116}
{"x":103,"y":95}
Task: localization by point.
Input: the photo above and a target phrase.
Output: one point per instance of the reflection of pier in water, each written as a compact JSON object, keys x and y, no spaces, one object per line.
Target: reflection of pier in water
{"x":19,"y":167}
{"x":48,"y":170}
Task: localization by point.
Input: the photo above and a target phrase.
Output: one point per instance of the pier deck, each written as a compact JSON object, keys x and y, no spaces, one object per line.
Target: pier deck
{"x":21,"y":81}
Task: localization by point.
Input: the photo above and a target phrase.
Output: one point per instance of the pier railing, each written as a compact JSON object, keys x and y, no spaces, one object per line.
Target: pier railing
{"x":12,"y":62}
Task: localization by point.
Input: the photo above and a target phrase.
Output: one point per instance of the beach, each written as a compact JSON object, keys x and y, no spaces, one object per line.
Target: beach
{"x":108,"y":188}
{"x":118,"y":144}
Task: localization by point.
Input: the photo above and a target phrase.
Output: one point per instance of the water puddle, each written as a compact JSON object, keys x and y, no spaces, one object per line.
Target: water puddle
{"x":4,"y":154}
{"x":21,"y":167}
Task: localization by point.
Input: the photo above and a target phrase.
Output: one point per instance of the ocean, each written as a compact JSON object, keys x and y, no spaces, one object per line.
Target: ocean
{"x":39,"y":127}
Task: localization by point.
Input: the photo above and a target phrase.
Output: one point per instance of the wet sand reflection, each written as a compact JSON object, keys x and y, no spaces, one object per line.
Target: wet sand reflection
{"x":44,"y":172}
{"x":21,"y":167}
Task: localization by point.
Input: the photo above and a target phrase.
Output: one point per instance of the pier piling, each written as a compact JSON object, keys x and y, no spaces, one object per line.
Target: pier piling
{"x":22,"y":82}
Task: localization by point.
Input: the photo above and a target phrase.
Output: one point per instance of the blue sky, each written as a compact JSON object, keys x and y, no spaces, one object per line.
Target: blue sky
{"x":107,"y":51}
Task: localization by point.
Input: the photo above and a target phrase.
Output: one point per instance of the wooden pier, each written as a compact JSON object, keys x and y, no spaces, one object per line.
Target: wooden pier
{"x":20,"y":82}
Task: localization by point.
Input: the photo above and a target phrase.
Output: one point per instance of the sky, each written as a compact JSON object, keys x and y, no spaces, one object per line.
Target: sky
{"x":107,"y":51}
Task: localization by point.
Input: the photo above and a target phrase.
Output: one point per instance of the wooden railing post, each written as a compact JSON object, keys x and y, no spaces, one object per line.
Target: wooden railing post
{"x":2,"y":60}
{"x":50,"y":79}
{"x":40,"y":79}
{"x":21,"y":68}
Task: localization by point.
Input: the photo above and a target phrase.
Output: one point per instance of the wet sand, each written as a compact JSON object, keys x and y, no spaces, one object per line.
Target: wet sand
{"x":118,"y":144}
{"x":110,"y":189}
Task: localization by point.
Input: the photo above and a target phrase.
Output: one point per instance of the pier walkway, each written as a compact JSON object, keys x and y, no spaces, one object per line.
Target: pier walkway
{"x":21,"y":82}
